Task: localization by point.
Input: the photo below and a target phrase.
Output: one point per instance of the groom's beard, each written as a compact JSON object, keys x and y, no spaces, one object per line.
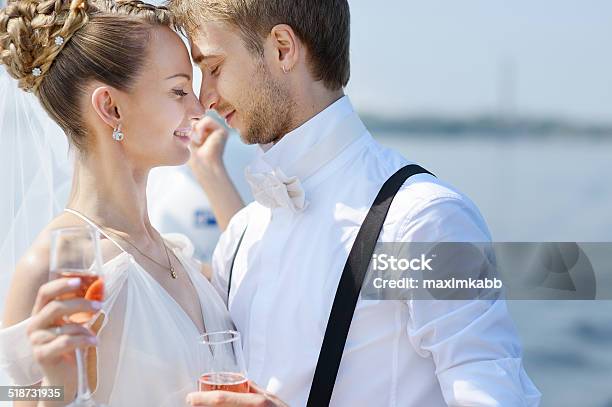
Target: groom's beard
{"x":271,"y":111}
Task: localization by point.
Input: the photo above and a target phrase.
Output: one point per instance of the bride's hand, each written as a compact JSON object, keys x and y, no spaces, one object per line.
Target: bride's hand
{"x":53,"y":340}
{"x":208,"y":144}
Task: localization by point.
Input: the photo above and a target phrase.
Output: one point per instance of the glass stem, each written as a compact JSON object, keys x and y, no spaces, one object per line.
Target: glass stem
{"x":83,"y":392}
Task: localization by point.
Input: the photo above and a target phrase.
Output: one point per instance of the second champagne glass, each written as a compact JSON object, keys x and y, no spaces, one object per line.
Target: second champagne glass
{"x":223,"y":363}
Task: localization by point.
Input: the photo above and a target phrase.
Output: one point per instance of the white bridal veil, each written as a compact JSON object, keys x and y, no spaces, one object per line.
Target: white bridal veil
{"x":35,"y":174}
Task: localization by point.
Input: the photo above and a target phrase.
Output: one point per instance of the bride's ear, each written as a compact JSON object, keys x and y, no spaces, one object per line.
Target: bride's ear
{"x":105,"y":106}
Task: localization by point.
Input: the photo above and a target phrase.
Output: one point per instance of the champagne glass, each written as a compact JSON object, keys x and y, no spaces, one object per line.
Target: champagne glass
{"x":75,"y":253}
{"x":223,"y":363}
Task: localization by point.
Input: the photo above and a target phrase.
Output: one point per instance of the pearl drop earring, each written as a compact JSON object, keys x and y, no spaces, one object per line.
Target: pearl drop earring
{"x":118,"y":134}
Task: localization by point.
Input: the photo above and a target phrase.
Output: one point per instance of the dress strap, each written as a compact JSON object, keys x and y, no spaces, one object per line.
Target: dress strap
{"x":95,"y":226}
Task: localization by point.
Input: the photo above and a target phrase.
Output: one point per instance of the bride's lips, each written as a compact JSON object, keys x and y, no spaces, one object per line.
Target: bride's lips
{"x":183,"y":135}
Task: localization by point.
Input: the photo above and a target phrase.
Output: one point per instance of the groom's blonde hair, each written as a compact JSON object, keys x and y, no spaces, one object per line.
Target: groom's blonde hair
{"x":322,"y":25}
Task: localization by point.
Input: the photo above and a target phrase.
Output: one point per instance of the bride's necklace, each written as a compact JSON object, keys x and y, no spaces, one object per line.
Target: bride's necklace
{"x":169,"y":267}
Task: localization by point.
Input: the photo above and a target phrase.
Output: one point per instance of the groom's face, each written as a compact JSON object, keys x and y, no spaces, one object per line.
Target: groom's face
{"x":239,"y":86}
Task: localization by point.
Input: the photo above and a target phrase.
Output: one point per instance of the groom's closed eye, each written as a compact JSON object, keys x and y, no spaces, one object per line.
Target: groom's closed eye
{"x":215,"y":71}
{"x":209,"y":68}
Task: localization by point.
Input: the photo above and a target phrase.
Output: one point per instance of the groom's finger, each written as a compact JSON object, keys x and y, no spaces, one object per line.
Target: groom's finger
{"x":226,"y":399}
{"x":203,"y":128}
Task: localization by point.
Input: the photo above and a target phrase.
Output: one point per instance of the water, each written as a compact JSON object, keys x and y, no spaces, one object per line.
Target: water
{"x":530,"y":189}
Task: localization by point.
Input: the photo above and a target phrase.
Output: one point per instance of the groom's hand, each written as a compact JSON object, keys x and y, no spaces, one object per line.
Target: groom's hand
{"x":256,"y":398}
{"x":208,"y":140}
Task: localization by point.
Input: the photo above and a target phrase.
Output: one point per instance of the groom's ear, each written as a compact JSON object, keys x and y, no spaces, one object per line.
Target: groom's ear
{"x":105,"y":106}
{"x":287,"y":46}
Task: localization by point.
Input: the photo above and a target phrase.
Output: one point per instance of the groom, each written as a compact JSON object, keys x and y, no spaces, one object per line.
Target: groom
{"x":276,"y":70}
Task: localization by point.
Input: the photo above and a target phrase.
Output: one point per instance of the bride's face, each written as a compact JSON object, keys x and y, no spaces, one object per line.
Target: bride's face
{"x":156,"y":114}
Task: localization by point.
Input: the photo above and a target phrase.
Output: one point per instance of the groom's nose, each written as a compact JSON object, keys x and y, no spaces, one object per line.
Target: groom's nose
{"x":208,"y":95}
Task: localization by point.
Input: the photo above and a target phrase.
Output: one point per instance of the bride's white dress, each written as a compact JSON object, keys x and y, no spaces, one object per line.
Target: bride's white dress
{"x":148,"y":353}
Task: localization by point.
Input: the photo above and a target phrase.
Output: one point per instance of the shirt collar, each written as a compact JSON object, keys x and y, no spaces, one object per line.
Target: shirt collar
{"x":299,"y":141}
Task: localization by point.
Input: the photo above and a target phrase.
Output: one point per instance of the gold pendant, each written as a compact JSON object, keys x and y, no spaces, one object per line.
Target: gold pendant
{"x":173,"y":273}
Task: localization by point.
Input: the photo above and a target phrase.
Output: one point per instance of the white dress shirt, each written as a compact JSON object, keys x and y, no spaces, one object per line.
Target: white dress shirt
{"x":398,"y":353}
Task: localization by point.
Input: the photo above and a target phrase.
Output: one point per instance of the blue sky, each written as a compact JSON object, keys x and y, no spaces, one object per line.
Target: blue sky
{"x":458,"y":57}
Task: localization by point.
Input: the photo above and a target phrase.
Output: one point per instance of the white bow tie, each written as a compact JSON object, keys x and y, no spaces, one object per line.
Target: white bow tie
{"x":274,"y":190}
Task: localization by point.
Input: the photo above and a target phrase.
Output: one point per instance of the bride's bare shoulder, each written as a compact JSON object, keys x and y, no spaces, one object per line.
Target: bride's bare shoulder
{"x":32,"y":271}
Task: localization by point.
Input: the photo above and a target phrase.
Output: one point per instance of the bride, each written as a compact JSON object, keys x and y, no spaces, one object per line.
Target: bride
{"x":117,"y":79}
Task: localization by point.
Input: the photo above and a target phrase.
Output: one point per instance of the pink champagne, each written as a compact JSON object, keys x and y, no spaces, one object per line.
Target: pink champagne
{"x":92,"y":288}
{"x":234,"y":382}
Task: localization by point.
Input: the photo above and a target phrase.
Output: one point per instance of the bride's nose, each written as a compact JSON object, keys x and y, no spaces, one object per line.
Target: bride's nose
{"x":196,"y":110}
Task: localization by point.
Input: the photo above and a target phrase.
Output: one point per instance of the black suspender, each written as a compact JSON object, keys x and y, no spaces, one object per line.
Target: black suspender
{"x":349,"y":287}
{"x":231,"y":271}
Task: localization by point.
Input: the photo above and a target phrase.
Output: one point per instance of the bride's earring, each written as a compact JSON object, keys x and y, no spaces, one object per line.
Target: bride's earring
{"x":118,"y":134}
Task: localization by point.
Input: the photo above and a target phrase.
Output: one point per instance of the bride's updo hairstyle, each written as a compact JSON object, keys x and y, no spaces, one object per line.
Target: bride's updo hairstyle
{"x":54,"y":48}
